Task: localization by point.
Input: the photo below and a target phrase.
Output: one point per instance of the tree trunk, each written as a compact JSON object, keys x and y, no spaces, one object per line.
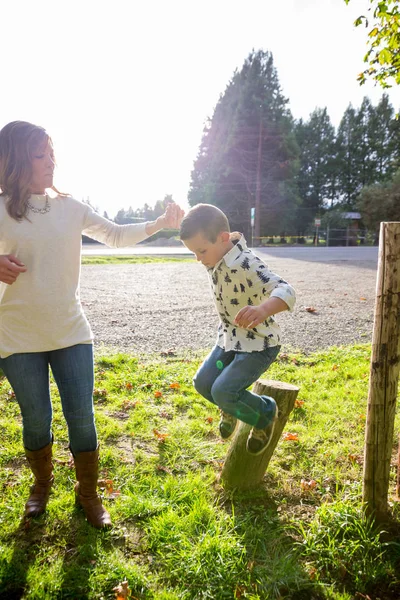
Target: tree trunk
{"x":384,"y":374}
{"x":242,"y":470}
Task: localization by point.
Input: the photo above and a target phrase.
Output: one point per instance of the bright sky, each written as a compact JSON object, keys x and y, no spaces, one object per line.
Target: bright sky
{"x":124,"y":87}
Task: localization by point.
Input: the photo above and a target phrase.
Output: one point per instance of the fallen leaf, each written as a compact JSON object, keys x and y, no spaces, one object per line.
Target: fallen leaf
{"x":310,"y":309}
{"x":128,"y":385}
{"x":175,"y":386}
{"x":166,"y":415}
{"x":298,"y":403}
{"x":146,"y":386}
{"x":250,"y":565}
{"x":122,"y":591}
{"x":127,"y":404}
{"x":160,"y":436}
{"x":163,"y":469}
{"x":363,"y":299}
{"x":106,"y":483}
{"x":312,"y":572}
{"x":306,"y":486}
{"x":290,"y":437}
{"x":114,"y":494}
{"x":157,"y":394}
{"x":99,"y":393}
{"x":209,"y":419}
{"x":240,"y":591}
{"x":357,"y":458}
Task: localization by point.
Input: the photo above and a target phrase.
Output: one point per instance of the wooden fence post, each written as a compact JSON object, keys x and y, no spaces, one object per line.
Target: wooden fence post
{"x":242,"y":470}
{"x":384,"y":374}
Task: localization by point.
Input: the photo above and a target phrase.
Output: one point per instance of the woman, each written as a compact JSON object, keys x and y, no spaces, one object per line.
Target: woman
{"x":42,"y":323}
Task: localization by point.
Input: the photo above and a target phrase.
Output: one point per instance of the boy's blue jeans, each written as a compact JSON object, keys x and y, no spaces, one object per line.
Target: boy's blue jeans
{"x":224,"y":376}
{"x":72,"y":368}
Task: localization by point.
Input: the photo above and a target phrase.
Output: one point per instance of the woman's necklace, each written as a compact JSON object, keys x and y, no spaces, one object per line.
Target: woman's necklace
{"x":40,"y":211}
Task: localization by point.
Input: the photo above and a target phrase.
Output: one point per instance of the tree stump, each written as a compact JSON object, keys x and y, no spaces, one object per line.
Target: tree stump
{"x":242,"y":470}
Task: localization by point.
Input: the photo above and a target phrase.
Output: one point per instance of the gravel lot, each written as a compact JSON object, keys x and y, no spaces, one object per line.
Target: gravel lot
{"x":157,"y":307}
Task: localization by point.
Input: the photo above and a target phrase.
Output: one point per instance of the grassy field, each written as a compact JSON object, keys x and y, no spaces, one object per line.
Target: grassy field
{"x":177,"y":534}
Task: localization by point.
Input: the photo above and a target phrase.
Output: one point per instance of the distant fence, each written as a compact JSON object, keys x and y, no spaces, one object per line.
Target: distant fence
{"x":325,"y":237}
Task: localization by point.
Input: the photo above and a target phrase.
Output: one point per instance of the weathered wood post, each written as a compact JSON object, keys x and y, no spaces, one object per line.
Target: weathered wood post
{"x":242,"y":470}
{"x":384,"y":374}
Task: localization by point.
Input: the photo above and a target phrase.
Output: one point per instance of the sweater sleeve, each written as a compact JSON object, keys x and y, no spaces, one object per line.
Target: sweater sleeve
{"x":116,"y":236}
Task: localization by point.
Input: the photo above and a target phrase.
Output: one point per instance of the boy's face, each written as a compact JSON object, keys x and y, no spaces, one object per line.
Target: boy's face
{"x":206,"y":252}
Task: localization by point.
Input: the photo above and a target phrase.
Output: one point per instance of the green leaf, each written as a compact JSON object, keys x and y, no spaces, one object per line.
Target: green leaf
{"x":385,"y":56}
{"x":359,"y":21}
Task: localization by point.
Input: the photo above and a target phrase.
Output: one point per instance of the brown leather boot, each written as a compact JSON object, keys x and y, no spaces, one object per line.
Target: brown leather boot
{"x":87,"y":470}
{"x":40,"y":461}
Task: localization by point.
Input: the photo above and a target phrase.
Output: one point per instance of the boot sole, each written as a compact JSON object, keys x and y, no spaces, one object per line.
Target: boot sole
{"x":270,"y":437}
{"x":231,"y":434}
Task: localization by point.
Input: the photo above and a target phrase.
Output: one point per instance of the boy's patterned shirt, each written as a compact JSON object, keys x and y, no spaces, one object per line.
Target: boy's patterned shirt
{"x":242,"y":279}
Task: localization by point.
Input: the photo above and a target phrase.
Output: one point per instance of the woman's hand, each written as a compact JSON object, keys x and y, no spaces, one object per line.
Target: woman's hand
{"x":10,"y":268}
{"x":172,"y":218}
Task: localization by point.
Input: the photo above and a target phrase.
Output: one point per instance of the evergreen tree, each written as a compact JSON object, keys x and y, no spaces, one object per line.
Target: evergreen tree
{"x":317,"y":175}
{"x":365,"y":143}
{"x":368,"y":149}
{"x":385,"y":140}
{"x":248,"y":153}
{"x":346,"y":159}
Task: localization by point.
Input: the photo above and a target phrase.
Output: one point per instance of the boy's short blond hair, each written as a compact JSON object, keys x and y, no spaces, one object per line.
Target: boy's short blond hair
{"x":206,"y":219}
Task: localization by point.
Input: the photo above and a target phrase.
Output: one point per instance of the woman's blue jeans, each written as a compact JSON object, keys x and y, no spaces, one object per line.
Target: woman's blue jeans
{"x":72,"y":368}
{"x":224,"y":376}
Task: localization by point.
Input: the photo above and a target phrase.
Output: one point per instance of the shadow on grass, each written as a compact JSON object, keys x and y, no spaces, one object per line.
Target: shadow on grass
{"x":276,"y":559}
{"x":26,"y":540}
{"x":273,"y":554}
{"x":75,"y":542}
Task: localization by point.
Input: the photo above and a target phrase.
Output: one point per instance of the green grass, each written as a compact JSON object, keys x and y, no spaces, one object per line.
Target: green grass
{"x":177,"y":534}
{"x":131,"y":260}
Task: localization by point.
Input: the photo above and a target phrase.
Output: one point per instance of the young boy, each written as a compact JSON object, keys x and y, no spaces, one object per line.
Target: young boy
{"x":246,"y":295}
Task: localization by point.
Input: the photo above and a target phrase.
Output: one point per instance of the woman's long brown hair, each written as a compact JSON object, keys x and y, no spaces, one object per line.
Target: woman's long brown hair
{"x":19,"y":141}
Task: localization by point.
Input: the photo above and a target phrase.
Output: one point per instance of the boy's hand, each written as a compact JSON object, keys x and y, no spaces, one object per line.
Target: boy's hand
{"x":250,"y":316}
{"x":172,"y":217}
{"x":10,"y":268}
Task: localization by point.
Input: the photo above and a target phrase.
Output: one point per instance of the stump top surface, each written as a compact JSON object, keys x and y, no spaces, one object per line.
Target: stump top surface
{"x":280,"y":385}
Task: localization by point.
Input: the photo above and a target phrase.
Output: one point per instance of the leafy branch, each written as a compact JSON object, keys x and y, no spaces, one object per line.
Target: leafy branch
{"x":383,"y":56}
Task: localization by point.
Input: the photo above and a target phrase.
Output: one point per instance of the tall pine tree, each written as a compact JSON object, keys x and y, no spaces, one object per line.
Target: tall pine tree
{"x":248,"y":154}
{"x":317,"y":174}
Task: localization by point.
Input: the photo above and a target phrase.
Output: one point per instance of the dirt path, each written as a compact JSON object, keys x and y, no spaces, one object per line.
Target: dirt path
{"x":155,"y":307}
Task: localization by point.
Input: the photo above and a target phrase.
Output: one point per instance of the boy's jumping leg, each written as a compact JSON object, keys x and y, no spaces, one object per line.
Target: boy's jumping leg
{"x":230,"y":393}
{"x":203,"y":381}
